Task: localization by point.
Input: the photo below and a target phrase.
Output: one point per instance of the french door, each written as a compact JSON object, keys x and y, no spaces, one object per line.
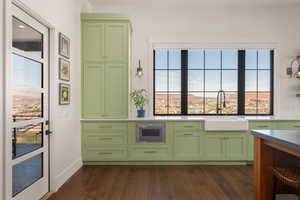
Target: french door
{"x":27,"y":176}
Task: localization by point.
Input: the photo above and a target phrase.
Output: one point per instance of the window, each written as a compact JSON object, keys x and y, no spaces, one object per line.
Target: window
{"x":187,"y":82}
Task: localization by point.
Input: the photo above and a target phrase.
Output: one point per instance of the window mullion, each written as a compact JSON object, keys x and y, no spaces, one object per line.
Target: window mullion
{"x":184,"y":82}
{"x":241,"y":82}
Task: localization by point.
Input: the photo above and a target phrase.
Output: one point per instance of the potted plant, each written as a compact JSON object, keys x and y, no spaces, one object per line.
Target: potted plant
{"x":139,"y":99}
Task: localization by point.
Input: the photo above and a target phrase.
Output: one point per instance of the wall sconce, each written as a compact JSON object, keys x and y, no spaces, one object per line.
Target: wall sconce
{"x":139,"y":70}
{"x":289,"y":70}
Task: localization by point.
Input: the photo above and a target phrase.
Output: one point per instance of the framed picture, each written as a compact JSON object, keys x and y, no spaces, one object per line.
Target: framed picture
{"x":64,"y":46}
{"x":64,"y":94}
{"x":64,"y":69}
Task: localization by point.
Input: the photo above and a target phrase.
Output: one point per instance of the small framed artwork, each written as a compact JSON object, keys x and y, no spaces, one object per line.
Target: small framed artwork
{"x":64,"y":94}
{"x":64,"y":69}
{"x":64,"y":46}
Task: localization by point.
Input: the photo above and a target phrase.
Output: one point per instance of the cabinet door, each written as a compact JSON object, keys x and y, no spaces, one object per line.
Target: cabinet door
{"x":116,"y":91}
{"x":187,"y":146}
{"x":250,"y":147}
{"x":93,"y":90}
{"x":93,"y":42}
{"x":214,"y":148}
{"x":236,"y":148}
{"x":116,"y":42}
{"x":257,"y":125}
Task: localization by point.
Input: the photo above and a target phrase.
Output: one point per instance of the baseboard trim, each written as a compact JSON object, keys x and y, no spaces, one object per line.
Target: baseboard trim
{"x":47,"y":196}
{"x":67,"y":173}
{"x":165,"y":163}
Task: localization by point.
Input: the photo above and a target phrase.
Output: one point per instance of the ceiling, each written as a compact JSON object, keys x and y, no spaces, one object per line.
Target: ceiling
{"x":200,"y":2}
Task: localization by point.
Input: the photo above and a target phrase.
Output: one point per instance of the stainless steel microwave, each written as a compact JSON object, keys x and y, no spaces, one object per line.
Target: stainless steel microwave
{"x":150,"y":132}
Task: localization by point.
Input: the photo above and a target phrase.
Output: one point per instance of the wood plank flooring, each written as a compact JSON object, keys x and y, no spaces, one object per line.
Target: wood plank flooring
{"x":159,"y":183}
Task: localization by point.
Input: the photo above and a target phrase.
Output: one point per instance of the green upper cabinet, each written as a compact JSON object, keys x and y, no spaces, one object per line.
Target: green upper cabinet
{"x":116,"y":90}
{"x":105,"y":65}
{"x":116,"y":42}
{"x":93,"y":90}
{"x":93,"y":40}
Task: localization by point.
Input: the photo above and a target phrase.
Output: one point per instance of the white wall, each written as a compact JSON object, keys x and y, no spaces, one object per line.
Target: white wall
{"x":177,"y":21}
{"x":64,"y":16}
{"x":1,"y":100}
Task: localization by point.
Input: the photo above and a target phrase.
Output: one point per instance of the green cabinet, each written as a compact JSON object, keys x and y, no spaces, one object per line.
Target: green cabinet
{"x":105,"y":65}
{"x":104,"y":141}
{"x":187,"y":140}
{"x":257,"y":125}
{"x":214,"y":147}
{"x":288,"y":125}
{"x":225,"y":146}
{"x":187,"y":145}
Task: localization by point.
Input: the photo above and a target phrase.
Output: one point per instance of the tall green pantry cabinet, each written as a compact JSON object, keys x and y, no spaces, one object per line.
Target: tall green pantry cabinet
{"x":105,"y":65}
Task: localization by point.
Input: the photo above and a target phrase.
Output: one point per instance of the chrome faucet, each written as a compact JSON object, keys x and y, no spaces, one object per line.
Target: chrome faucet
{"x":221,"y":102}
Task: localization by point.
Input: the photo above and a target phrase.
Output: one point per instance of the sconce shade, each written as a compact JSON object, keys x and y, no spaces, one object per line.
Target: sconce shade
{"x":139,"y":70}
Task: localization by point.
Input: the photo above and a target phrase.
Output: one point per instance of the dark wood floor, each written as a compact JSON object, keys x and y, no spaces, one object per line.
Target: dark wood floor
{"x":159,"y":183}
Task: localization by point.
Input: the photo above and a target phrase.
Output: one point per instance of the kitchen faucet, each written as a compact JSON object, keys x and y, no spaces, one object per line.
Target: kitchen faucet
{"x":221,"y":102}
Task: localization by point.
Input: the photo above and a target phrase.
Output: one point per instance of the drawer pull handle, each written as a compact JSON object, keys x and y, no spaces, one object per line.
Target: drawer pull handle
{"x":104,"y":153}
{"x":149,"y":151}
{"x":264,"y":126}
{"x":188,"y":134}
{"x":188,"y":126}
{"x":297,"y":126}
{"x":104,"y":126}
{"x":105,"y":138}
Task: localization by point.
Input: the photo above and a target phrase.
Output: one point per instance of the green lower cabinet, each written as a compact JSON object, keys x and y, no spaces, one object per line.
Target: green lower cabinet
{"x":225,"y":147}
{"x":257,"y":125}
{"x":288,"y":125}
{"x":250,"y":155}
{"x":187,"y":145}
{"x":149,"y":152}
{"x":214,"y":147}
{"x":236,"y":147}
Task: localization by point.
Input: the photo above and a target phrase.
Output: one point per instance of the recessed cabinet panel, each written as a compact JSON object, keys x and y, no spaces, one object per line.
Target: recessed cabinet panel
{"x":93,"y":40}
{"x":116,"y":93}
{"x":236,"y":148}
{"x":214,"y":147}
{"x":116,"y":42}
{"x":105,"y":153}
{"x":93,"y":90}
{"x":187,"y":146}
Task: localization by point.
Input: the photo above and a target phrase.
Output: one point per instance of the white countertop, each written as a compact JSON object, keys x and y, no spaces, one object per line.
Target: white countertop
{"x":200,"y":118}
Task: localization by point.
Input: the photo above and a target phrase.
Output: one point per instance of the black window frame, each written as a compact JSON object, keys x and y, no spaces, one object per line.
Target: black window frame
{"x":241,"y":72}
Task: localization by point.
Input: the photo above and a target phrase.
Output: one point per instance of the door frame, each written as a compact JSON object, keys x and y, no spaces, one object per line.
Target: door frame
{"x":51,"y":82}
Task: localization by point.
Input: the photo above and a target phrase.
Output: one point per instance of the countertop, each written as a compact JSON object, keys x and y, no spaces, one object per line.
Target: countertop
{"x":201,"y":118}
{"x":289,"y":139}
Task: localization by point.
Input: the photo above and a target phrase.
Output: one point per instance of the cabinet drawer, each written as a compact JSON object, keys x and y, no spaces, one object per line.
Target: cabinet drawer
{"x":261,"y":125}
{"x":104,"y":127}
{"x":289,"y":125}
{"x":94,"y":140}
{"x":149,"y":153}
{"x":105,"y":153}
{"x":186,"y":126}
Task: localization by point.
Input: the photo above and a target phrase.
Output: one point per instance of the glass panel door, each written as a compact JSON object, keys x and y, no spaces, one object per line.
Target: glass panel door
{"x":28,"y":113}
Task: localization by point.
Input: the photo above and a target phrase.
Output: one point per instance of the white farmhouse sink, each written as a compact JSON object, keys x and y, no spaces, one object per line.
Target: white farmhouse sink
{"x":226,"y":124}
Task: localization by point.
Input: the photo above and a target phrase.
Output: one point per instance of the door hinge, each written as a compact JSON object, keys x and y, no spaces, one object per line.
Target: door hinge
{"x":47,"y":122}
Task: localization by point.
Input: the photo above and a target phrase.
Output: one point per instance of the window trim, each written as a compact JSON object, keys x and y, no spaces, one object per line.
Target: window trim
{"x":240,"y":90}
